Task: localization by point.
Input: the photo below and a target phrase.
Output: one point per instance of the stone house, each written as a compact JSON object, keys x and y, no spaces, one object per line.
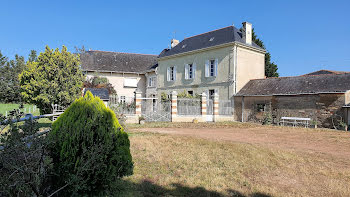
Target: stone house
{"x":125,"y":71}
{"x":220,"y":61}
{"x":323,"y":98}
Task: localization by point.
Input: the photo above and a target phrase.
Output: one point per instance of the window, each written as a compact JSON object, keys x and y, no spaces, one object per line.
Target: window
{"x":190,"y":70}
{"x":212,"y":68}
{"x":151,"y":81}
{"x":211,"y":94}
{"x":190,"y":92}
{"x":171,"y":73}
{"x":260,"y":107}
{"x":130,"y":82}
{"x":122,"y":99}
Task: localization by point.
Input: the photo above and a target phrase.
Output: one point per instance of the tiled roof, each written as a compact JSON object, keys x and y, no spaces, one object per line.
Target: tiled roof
{"x":209,"y":39}
{"x":100,"y":92}
{"x":117,"y":62}
{"x":307,"y":84}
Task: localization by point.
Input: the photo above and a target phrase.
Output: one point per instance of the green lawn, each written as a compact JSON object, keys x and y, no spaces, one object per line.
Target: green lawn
{"x":10,"y":106}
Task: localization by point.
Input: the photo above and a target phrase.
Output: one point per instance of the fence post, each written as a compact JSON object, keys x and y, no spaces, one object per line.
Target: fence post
{"x":173,"y":105}
{"x":138,"y":101}
{"x":216,"y":107}
{"x":204,"y":106}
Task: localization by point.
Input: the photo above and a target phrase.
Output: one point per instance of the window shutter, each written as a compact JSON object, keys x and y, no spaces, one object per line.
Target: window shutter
{"x":216,"y":67}
{"x":194,"y":70}
{"x":206,"y":68}
{"x":168,"y":74}
{"x":186,"y":71}
{"x":174,"y":73}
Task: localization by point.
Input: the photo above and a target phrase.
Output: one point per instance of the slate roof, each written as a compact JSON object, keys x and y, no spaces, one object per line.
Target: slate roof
{"x":312,"y":84}
{"x":220,"y":36}
{"x":323,"y":72}
{"x":100,"y":92}
{"x":117,"y":62}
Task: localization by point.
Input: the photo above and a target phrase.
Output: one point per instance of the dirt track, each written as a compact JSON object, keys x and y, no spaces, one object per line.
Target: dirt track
{"x":334,"y":145}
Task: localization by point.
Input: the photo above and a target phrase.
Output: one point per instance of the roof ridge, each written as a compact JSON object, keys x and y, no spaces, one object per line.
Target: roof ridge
{"x":209,"y":31}
{"x":122,"y":52}
{"x":303,"y":76}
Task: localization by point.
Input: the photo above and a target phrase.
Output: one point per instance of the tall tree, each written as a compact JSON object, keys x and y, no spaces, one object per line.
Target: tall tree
{"x":55,"y":78}
{"x":9,"y":82}
{"x":270,"y":67}
{"x":32,"y":56}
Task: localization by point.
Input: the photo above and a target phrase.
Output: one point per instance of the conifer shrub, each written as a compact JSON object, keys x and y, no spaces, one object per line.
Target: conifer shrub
{"x":89,"y":148}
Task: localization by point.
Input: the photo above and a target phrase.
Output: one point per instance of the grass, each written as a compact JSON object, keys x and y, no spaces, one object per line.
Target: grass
{"x":10,"y":106}
{"x":167,"y":165}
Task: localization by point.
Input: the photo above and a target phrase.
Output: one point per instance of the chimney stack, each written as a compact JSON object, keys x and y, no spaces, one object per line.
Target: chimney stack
{"x":174,"y":42}
{"x":247,"y":33}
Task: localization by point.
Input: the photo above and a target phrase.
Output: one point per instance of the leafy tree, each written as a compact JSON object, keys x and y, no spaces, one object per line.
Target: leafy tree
{"x":90,"y":149}
{"x":54,"y":78}
{"x":32,"y":56}
{"x":9,"y":82}
{"x":270,"y":67}
{"x":99,"y":82}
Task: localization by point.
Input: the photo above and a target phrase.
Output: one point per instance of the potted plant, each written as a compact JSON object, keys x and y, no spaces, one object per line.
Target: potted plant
{"x":142,"y":120}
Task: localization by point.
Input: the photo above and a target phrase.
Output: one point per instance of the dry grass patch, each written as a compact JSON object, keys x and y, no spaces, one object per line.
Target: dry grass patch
{"x":167,"y":165}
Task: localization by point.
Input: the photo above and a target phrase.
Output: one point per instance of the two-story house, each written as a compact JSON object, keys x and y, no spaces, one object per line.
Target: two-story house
{"x":127,"y":72}
{"x":220,"y":61}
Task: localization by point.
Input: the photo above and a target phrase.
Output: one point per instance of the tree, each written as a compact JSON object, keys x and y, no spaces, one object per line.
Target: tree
{"x":32,"y":56}
{"x":99,"y":82}
{"x":55,"y":78}
{"x":9,"y":82}
{"x":270,"y":67}
{"x":89,"y":148}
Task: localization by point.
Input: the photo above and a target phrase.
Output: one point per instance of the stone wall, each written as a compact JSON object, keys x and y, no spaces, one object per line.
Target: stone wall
{"x":326,"y":109}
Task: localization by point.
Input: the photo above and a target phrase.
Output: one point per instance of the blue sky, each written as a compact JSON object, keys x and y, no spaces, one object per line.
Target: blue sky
{"x":302,"y":36}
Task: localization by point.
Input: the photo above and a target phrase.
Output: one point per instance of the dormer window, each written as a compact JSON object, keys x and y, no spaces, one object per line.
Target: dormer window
{"x":211,"y":39}
{"x":183,"y":46}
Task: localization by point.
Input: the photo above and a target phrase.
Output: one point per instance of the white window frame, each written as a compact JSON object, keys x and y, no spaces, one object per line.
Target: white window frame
{"x":122,"y":99}
{"x":171,"y":73}
{"x":190,"y":71}
{"x":151,"y":81}
{"x":211,"y":68}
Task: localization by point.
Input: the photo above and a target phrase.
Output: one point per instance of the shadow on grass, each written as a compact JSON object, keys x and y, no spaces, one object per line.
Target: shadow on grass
{"x":148,"y":188}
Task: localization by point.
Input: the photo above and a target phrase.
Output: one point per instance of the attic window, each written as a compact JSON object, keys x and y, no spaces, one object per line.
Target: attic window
{"x":211,"y":39}
{"x":183,"y":46}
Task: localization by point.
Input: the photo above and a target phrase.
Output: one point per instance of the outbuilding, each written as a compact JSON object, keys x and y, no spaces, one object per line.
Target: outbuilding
{"x":324,"y":98}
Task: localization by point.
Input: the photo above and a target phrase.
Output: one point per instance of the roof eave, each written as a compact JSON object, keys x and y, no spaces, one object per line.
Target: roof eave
{"x":295,"y":94}
{"x":214,"y":47}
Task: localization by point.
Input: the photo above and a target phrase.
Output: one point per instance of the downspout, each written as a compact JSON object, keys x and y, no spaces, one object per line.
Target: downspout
{"x":235,"y":68}
{"x":242,"y":108}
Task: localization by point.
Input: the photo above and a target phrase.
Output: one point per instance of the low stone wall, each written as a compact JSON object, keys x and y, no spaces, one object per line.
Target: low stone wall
{"x":179,"y":118}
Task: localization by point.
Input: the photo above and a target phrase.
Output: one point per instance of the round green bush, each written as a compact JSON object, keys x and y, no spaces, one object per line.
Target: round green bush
{"x":90,"y":149}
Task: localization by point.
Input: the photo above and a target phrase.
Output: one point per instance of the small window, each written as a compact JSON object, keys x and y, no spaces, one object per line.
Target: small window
{"x":190,"y":92}
{"x":183,"y":46}
{"x":171,"y":73}
{"x":211,"y":94}
{"x":212,"y":68}
{"x":211,"y":39}
{"x":190,"y":71}
{"x":151,"y":81}
{"x":260,"y":107}
{"x":122,"y":99}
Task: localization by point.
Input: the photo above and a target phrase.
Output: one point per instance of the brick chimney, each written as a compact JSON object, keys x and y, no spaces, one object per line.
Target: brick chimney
{"x":247,"y":33}
{"x":174,"y":42}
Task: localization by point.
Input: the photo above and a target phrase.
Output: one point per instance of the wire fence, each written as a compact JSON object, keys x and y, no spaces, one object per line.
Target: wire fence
{"x":122,"y":104}
{"x":225,"y":107}
{"x":188,"y":106}
{"x":27,"y":110}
